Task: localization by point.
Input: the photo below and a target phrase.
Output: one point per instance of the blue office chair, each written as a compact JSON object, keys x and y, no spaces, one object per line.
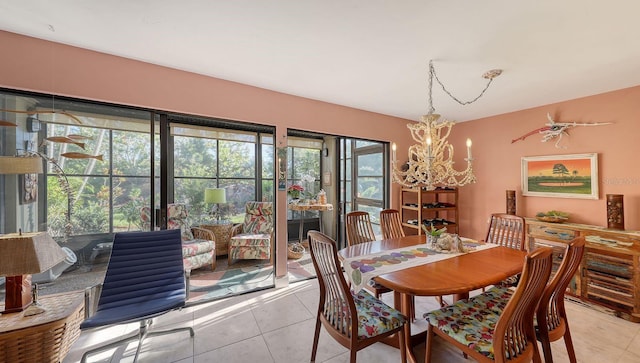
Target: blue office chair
{"x":144,"y":279}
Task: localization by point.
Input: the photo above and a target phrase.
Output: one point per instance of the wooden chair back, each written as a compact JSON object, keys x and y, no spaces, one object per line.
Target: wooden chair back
{"x":551,"y":316}
{"x":391,"y":224}
{"x":358,"y":228}
{"x":513,"y":338}
{"x":507,"y":230}
{"x":514,"y":335}
{"x":337,"y":309}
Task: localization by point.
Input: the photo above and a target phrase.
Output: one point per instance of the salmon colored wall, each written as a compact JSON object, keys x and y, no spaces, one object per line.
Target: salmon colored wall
{"x":40,"y":66}
{"x":497,"y":160}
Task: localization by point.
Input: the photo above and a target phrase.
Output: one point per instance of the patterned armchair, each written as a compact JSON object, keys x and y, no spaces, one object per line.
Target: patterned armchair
{"x":252,"y":239}
{"x":198,"y":244}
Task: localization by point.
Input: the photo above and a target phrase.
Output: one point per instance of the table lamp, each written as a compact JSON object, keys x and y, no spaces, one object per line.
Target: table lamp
{"x":215,"y":196}
{"x":23,"y":254}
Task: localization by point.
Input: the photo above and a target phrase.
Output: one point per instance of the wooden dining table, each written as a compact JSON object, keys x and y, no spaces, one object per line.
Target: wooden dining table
{"x":453,"y":276}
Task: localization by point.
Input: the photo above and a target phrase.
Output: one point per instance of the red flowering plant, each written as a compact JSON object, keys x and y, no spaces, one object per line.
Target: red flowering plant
{"x":294,"y":191}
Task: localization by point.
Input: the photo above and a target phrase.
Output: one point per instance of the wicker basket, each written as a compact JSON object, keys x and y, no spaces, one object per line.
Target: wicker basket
{"x":295,"y":251}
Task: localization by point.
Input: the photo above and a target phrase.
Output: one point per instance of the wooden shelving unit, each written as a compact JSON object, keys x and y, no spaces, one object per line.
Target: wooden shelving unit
{"x":439,"y":206}
{"x":609,"y":274}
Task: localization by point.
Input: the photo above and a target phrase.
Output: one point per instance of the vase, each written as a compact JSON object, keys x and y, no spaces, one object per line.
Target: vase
{"x":432,"y":241}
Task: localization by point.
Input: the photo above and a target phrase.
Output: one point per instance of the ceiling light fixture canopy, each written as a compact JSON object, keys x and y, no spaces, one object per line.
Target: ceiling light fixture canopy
{"x":430,"y":162}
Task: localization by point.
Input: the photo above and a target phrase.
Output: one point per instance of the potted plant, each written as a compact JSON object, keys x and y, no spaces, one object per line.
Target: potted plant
{"x":294,"y":191}
{"x":433,"y":234}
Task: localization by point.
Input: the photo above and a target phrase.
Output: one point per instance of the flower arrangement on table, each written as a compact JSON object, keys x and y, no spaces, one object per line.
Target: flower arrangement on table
{"x":294,"y":191}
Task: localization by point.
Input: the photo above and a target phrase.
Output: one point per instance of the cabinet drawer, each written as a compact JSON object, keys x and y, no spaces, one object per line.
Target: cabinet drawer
{"x":610,"y":265}
{"x":561,"y":234}
{"x":609,"y":280}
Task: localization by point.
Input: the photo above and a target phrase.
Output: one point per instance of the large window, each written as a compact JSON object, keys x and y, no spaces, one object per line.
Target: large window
{"x":104,"y":163}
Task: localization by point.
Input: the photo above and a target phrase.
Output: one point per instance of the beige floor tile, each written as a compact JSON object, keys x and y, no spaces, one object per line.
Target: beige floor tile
{"x":224,"y":327}
{"x":293,"y":343}
{"x":279,"y":312}
{"x":248,"y":350}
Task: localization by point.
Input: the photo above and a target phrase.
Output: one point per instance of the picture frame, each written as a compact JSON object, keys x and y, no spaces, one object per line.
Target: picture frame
{"x":561,"y":176}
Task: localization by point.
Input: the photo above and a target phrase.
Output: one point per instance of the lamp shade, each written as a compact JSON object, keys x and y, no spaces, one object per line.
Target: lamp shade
{"x":20,"y":165}
{"x":28,"y":253}
{"x":215,"y":195}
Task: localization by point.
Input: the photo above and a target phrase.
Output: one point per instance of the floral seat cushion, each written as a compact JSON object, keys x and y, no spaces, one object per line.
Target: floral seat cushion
{"x":198,"y":253}
{"x":374,"y":316}
{"x":468,"y":322}
{"x":254,"y":239}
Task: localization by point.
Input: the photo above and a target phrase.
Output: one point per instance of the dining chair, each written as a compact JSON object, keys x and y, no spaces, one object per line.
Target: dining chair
{"x":144,"y":279}
{"x":391,"y":224}
{"x":391,"y":227}
{"x":355,"y":320}
{"x":358,"y":228}
{"x":488,"y":336}
{"x":551,"y":317}
{"x":507,"y":230}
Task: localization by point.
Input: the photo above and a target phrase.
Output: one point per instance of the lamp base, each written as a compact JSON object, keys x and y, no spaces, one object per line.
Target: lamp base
{"x":18,"y":295}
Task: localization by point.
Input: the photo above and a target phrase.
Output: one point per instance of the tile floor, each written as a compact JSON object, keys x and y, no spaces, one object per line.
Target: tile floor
{"x":276,"y":325}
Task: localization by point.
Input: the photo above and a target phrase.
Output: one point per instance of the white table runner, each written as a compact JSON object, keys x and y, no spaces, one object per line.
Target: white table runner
{"x":362,"y":269}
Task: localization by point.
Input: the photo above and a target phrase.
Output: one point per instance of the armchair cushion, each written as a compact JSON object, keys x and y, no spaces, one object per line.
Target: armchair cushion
{"x":254,"y":238}
{"x":177,"y":219}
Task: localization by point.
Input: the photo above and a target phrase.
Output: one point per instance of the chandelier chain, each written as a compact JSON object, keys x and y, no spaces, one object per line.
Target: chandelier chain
{"x":432,"y":73}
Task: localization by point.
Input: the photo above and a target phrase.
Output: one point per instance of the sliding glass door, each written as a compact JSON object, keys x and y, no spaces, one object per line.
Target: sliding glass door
{"x":364,"y":179}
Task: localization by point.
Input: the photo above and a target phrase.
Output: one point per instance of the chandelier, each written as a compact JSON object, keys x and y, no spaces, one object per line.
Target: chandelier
{"x":430,"y":163}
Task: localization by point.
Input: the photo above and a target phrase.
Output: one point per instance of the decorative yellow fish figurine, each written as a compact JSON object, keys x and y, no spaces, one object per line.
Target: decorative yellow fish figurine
{"x":7,"y":123}
{"x":64,"y":139}
{"x":72,"y":155}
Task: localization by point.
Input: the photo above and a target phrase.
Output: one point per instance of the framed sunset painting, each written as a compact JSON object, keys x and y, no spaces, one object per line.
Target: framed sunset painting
{"x":561,"y":176}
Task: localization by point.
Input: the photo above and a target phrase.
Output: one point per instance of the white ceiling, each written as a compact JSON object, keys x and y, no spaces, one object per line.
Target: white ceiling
{"x":367,"y":54}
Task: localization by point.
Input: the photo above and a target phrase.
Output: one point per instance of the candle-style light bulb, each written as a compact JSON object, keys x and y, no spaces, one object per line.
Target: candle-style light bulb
{"x":393,"y":154}
{"x":468,"y":148}
{"x":429,"y":146}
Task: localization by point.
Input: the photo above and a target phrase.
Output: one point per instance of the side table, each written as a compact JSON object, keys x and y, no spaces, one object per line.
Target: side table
{"x":305,"y":207}
{"x":222,"y":231}
{"x":45,"y":337}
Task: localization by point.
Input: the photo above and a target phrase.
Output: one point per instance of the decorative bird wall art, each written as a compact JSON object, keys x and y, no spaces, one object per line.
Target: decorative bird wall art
{"x":555,"y":130}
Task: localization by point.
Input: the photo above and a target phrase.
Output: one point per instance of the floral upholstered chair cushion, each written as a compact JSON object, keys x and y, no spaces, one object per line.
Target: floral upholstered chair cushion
{"x":198,"y":244}
{"x":252,"y":239}
{"x":374,"y":316}
{"x":468,"y":322}
{"x":177,"y":219}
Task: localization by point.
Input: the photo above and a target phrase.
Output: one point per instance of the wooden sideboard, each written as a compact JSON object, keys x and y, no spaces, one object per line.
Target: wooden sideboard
{"x":609,"y":275}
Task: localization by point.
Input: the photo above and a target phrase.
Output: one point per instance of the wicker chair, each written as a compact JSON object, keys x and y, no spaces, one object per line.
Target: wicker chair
{"x":390,"y":224}
{"x":198,"y":244}
{"x":355,"y":320}
{"x":252,"y":239}
{"x":488,"y":336}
